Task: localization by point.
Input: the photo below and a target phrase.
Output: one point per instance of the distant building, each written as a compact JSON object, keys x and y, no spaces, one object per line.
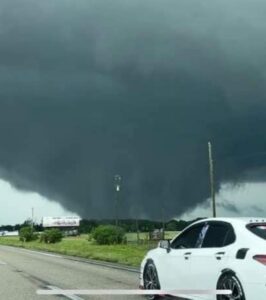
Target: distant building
{"x":69,"y":225}
{"x":9,"y":233}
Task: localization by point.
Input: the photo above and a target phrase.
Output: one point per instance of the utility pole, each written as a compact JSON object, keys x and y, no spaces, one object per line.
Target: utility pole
{"x":163,"y":222}
{"x":32,"y":217}
{"x":117,"y":180}
{"x":212,"y":180}
{"x":137,"y":229}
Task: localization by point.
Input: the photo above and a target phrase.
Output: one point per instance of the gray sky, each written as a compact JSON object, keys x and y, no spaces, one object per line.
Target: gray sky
{"x":245,"y":200}
{"x":16,"y":206}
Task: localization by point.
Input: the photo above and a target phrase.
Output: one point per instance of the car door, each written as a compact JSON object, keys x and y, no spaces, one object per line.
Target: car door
{"x":176,"y":263}
{"x":211,"y":256}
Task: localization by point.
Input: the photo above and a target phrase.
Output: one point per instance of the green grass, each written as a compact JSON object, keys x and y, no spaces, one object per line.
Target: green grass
{"x":124,"y":254}
{"x":130,"y":254}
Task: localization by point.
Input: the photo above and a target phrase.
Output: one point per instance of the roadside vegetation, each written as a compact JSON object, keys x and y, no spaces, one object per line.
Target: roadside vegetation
{"x":27,"y":234}
{"x":97,"y":240}
{"x":108,"y":235}
{"x":129,"y":254}
{"x":51,"y":236}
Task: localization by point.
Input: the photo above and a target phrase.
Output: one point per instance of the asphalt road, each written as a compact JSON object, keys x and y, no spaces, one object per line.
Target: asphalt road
{"x":23,"y":272}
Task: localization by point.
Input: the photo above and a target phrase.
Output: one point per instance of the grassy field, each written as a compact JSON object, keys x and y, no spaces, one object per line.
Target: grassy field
{"x":144,"y":236}
{"x":130,"y":254}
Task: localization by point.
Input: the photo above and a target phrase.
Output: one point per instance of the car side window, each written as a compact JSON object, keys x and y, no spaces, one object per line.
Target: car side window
{"x":188,"y":239}
{"x":218,"y":235}
{"x":230,"y":237}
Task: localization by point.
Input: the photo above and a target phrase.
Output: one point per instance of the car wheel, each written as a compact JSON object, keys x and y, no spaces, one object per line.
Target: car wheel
{"x":230,"y":282}
{"x":151,"y":281}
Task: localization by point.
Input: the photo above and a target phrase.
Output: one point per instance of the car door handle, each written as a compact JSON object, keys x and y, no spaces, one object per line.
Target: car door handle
{"x":219,"y":255}
{"x":187,"y":255}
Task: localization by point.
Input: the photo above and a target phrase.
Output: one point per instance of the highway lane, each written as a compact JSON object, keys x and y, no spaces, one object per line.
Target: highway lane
{"x":23,"y":272}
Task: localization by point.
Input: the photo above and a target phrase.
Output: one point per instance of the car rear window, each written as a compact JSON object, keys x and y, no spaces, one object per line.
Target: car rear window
{"x":258,"y":229}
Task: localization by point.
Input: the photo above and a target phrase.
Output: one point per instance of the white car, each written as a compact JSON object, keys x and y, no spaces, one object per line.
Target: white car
{"x":210,"y":254}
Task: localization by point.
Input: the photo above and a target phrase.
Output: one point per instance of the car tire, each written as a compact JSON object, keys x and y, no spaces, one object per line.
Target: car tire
{"x":229,"y":281}
{"x":151,"y":280}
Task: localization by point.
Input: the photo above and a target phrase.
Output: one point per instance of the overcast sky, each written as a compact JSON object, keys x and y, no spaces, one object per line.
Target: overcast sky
{"x":16,"y":206}
{"x":245,"y":200}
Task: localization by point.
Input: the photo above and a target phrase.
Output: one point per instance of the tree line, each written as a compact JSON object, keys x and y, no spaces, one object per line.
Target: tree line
{"x":129,"y":225}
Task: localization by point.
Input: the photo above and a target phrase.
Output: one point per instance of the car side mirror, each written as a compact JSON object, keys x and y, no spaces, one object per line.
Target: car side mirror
{"x":165,"y":244}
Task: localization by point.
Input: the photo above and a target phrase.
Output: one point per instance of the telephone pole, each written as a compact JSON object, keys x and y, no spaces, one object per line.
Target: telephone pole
{"x":32,"y":217}
{"x":137,"y":229}
{"x":163,"y":222}
{"x":117,"y":180}
{"x":211,"y":169}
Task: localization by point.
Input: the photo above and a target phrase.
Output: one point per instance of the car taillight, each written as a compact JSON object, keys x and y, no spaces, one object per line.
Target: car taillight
{"x":260,"y":258}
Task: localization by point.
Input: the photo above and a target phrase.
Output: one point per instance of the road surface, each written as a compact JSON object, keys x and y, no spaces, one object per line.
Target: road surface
{"x":23,"y":272}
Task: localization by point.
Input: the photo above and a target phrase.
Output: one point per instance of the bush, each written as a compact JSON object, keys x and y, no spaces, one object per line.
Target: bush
{"x":27,"y":234}
{"x":51,"y":236}
{"x":108,"y":235}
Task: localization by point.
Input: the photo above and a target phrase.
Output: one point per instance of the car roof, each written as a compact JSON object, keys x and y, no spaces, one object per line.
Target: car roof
{"x":234,"y":220}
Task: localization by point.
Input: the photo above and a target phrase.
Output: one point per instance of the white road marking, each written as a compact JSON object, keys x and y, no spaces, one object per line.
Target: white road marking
{"x":2,"y":263}
{"x":41,"y":253}
{"x":58,"y":291}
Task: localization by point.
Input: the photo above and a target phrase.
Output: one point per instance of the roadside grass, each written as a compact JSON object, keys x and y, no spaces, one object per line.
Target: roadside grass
{"x":130,"y":254}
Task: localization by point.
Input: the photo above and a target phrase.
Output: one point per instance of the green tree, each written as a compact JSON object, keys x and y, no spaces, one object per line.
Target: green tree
{"x":27,"y":234}
{"x":86,"y":226}
{"x":172,"y":226}
{"x":108,"y":235}
{"x":51,"y":236}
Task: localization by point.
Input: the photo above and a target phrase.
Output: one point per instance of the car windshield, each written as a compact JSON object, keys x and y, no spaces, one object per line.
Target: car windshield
{"x":258,"y":229}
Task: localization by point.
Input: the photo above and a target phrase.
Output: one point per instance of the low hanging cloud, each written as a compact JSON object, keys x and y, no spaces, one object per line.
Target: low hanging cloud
{"x":90,"y":89}
{"x":252,"y":204}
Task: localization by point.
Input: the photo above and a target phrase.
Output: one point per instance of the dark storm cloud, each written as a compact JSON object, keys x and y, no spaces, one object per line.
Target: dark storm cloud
{"x":90,"y":89}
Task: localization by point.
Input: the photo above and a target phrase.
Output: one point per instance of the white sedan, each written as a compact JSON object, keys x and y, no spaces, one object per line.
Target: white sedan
{"x":210,"y":254}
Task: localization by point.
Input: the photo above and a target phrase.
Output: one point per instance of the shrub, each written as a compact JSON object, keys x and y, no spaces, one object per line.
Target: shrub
{"x":108,"y":235}
{"x":51,"y":236}
{"x":27,"y":234}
